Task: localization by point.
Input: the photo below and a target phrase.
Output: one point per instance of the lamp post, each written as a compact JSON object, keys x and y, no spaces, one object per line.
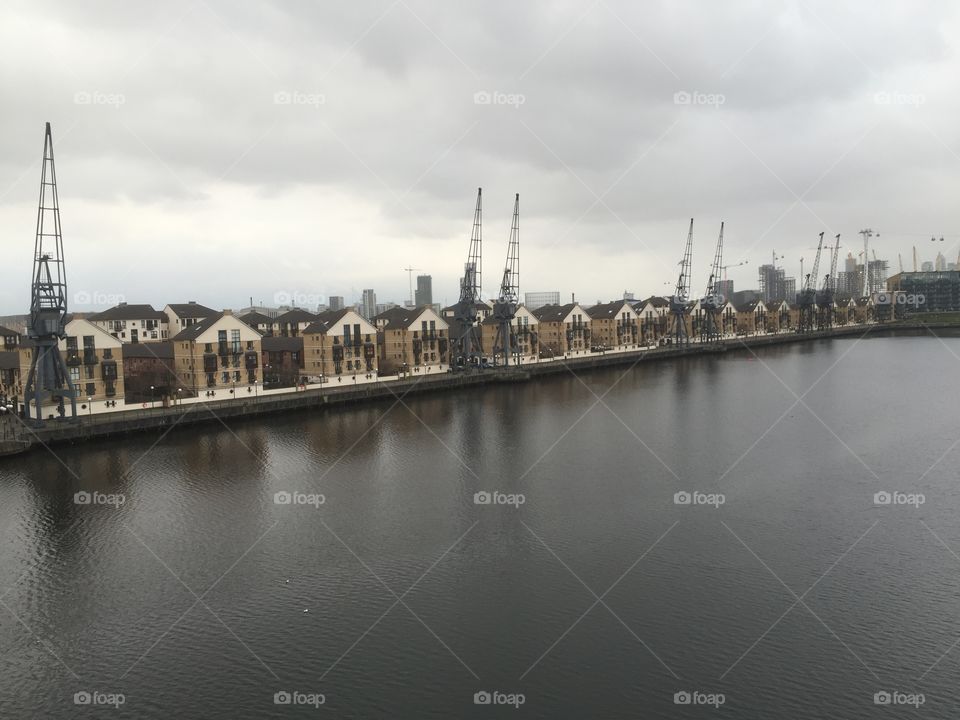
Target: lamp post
{"x":151,"y":397}
{"x":90,"y":406}
{"x":179,"y":399}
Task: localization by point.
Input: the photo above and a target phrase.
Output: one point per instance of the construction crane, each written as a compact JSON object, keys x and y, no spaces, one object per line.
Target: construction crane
{"x":679,"y":307}
{"x":505,"y":306}
{"x":713,"y":301}
{"x":808,"y":295}
{"x":739,"y":264}
{"x":466,"y":347}
{"x":410,"y":271}
{"x":48,"y":380}
{"x":867,"y":234}
{"x":825,"y":300}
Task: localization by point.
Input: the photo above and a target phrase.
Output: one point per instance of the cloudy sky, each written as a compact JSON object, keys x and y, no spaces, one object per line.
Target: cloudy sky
{"x":219,"y":151}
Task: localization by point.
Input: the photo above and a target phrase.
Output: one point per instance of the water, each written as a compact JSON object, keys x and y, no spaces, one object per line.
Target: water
{"x":179,"y":599}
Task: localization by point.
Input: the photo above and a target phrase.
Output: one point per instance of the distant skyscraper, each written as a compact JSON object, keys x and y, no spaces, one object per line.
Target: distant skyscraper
{"x":533,"y":300}
{"x":726,"y":288}
{"x":627,"y":296}
{"x":926,"y":266}
{"x":940,"y":264}
{"x":369,"y":304}
{"x":336,"y":302}
{"x":424,"y":291}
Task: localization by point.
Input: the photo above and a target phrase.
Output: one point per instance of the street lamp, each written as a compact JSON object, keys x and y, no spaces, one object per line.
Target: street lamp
{"x":179,"y":399}
{"x":151,"y":397}
{"x":90,"y":406}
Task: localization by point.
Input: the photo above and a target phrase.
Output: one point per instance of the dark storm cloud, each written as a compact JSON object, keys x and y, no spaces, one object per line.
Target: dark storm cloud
{"x":616,"y":121}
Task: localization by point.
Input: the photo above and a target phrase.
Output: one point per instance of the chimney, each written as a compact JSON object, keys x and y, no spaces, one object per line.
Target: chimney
{"x":573,"y":297}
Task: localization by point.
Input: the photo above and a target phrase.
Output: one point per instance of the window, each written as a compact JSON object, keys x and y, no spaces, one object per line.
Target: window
{"x":91,"y":389}
{"x":236,"y":376}
{"x":75,"y":376}
{"x":225,"y":378}
{"x":88,"y":372}
{"x":235,"y":340}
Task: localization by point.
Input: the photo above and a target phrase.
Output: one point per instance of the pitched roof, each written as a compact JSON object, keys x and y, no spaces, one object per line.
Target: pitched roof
{"x":553,"y":313}
{"x":192,"y":332}
{"x":129,"y":312}
{"x":607,"y":310}
{"x":7,"y":332}
{"x":296,"y":316}
{"x":748,"y":306}
{"x":192,"y":309}
{"x":254,"y":318}
{"x":657,"y":301}
{"x":155,"y":350}
{"x":399,"y":318}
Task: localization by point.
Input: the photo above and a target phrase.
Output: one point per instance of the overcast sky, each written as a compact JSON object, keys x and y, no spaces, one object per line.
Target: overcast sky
{"x":218,"y":151}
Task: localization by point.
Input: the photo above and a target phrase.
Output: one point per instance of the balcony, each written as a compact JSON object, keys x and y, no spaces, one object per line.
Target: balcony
{"x":73,"y":358}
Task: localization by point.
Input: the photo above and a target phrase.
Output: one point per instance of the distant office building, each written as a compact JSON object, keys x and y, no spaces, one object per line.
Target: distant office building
{"x":369,"y":304}
{"x":534,"y":300}
{"x":940,"y":290}
{"x":336,"y":302}
{"x":627,"y":296}
{"x":940,"y":264}
{"x":849,"y":283}
{"x":742,"y":297}
{"x":926,"y":266}
{"x":424,"y":293}
{"x":725,"y":287}
{"x":878,"y":276}
{"x":383,"y":307}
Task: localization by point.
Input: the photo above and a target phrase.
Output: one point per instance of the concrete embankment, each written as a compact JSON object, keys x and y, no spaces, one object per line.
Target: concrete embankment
{"x":18,"y":438}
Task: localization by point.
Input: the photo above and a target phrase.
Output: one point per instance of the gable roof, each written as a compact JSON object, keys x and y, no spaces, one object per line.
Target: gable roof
{"x":554,"y":313}
{"x":194,"y":331}
{"x":608,"y":310}
{"x":192,"y":309}
{"x":129,"y":312}
{"x":7,"y":332}
{"x":296,"y":316}
{"x":256,"y":318}
{"x":400,"y":318}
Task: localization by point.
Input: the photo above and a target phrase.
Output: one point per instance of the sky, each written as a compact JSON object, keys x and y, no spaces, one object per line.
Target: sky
{"x":223,"y":151}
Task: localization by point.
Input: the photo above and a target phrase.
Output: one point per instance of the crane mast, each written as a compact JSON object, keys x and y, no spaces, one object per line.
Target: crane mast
{"x":713,"y":300}
{"x":808,"y":295}
{"x":467,"y":344}
{"x":825,"y":300}
{"x":48,"y":380}
{"x":505,"y":307}
{"x":678,"y":302}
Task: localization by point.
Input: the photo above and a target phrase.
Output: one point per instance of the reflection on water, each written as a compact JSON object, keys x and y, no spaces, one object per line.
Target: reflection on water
{"x":189,"y":598}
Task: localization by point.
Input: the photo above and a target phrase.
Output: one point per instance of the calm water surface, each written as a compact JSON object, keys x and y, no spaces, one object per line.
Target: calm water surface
{"x":599,"y":597}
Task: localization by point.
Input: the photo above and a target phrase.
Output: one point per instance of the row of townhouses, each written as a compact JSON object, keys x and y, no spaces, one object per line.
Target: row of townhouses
{"x":134,"y":353}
